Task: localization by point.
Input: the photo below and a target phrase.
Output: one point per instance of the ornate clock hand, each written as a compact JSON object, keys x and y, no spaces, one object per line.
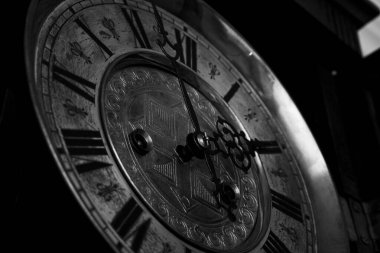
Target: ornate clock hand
{"x":176,"y":47}
{"x":239,"y":148}
{"x":197,"y":142}
{"x":229,"y":193}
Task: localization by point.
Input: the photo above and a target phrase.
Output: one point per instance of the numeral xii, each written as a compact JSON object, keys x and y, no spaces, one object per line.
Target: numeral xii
{"x":187,"y":49}
{"x":137,"y":27}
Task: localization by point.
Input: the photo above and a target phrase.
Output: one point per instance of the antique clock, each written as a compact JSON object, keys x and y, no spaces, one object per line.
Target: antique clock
{"x":172,"y":133}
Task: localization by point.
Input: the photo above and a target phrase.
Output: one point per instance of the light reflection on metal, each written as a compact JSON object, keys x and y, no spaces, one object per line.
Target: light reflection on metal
{"x":301,"y":137}
{"x":369,"y":37}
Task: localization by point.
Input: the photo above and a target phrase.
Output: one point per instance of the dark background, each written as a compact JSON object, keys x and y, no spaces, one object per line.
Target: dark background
{"x":331,"y":84}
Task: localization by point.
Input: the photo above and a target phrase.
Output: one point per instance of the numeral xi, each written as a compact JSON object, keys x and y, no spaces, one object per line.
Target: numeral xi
{"x":137,"y":27}
{"x":79,"y":85}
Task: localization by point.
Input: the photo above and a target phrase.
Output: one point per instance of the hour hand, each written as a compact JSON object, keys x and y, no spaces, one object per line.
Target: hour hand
{"x":226,"y":194}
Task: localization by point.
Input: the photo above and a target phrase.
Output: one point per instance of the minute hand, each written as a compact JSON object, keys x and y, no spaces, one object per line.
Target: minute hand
{"x":188,"y":104}
{"x":190,"y":109}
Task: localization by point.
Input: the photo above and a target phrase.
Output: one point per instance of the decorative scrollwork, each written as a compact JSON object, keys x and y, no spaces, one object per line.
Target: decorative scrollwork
{"x":246,"y":217}
{"x":216,"y":240}
{"x":163,"y":209}
{"x":240,"y":231}
{"x":230,"y":237}
{"x":201,"y":236}
{"x":181,"y":226}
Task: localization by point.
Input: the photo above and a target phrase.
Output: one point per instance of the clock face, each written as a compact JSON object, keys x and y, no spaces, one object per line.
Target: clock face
{"x":111,"y":103}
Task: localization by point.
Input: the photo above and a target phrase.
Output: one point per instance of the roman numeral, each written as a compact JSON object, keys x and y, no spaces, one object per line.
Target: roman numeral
{"x":231,"y":92}
{"x":286,"y":206}
{"x":137,"y":27}
{"x":68,"y":79}
{"x":275,"y":245}
{"x":84,"y":142}
{"x":266,"y":147}
{"x":93,"y":37}
{"x":125,"y":221}
{"x":187,"y":49}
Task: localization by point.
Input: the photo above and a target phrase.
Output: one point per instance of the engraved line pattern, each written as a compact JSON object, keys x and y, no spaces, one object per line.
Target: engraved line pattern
{"x":161,"y":119}
{"x":140,"y":123}
{"x":201,"y":192}
{"x":182,"y":199}
{"x":168,"y":170}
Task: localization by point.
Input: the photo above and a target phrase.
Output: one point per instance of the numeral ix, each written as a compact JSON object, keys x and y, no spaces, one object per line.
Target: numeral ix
{"x":85,"y":143}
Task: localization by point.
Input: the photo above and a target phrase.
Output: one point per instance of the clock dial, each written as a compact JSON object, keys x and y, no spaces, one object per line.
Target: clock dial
{"x":110,"y":101}
{"x":138,"y":95}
